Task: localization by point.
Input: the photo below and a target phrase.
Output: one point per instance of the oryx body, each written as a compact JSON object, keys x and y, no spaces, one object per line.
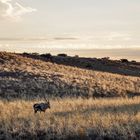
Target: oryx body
{"x":41,"y":106}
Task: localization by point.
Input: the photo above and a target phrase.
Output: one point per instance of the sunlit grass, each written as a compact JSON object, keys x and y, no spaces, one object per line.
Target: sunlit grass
{"x":118,"y":117}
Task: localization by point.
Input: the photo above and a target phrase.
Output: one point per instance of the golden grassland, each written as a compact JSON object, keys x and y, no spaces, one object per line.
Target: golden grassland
{"x":113,"y":118}
{"x":21,"y":76}
{"x":23,"y":81}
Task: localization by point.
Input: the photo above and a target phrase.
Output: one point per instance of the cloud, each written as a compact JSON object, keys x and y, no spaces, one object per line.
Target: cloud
{"x":13,"y":10}
{"x":118,"y":36}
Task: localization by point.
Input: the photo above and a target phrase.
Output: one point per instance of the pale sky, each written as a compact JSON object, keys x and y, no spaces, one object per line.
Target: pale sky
{"x":114,"y":23}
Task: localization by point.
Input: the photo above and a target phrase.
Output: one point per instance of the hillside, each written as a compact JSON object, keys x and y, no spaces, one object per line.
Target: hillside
{"x":32,"y":77}
{"x":105,"y":64}
{"x":26,"y":78}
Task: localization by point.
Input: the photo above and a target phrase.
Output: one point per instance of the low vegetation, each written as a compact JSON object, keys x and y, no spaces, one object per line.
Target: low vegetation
{"x":88,"y":119}
{"x":76,"y":87}
{"x":24,"y":77}
{"x":105,"y":64}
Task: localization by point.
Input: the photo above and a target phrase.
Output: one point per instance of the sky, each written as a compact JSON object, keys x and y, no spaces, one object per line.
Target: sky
{"x":70,"y":23}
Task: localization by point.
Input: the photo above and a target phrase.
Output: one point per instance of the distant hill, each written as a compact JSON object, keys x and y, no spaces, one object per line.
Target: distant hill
{"x":32,"y":76}
{"x":123,"y":66}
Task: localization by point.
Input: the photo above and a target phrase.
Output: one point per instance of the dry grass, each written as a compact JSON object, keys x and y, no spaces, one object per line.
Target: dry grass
{"x":21,"y":76}
{"x":69,"y":118}
{"x":117,"y":118}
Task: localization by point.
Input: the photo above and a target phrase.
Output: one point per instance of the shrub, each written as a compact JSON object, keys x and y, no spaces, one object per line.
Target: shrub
{"x":47,"y":55}
{"x":105,"y":58}
{"x":88,"y":65}
{"x":62,"y":55}
{"x":1,"y":61}
{"x":35,"y":54}
{"x":77,"y":56}
{"x":133,"y":61}
{"x":25,"y":53}
{"x":124,"y":61}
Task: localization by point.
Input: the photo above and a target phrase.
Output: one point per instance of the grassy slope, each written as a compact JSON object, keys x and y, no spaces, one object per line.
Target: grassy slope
{"x":21,"y":76}
{"x":117,"y":118}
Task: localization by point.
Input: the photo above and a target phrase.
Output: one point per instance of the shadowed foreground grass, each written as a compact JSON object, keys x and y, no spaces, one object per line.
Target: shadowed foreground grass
{"x":117,"y":118}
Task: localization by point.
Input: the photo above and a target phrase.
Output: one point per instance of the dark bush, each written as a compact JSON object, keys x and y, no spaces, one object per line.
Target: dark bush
{"x":89,"y":65}
{"x":25,"y":53}
{"x":62,"y":55}
{"x":105,"y":58}
{"x":36,"y":54}
{"x":133,"y":61}
{"x":2,"y":61}
{"x":77,"y":56}
{"x":124,"y":61}
{"x":47,"y":55}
